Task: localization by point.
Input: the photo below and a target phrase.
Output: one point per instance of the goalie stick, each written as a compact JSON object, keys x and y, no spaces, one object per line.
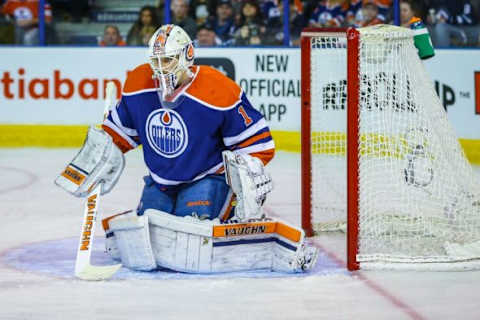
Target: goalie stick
{"x":83,"y":269}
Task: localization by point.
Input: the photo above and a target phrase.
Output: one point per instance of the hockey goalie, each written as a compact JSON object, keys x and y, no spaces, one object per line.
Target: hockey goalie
{"x":205,"y":148}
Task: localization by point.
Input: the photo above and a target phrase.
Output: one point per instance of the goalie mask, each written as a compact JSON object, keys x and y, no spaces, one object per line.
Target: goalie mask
{"x":171,"y":53}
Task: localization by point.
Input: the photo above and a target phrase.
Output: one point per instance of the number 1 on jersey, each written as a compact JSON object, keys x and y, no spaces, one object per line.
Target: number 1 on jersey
{"x":246,"y":119}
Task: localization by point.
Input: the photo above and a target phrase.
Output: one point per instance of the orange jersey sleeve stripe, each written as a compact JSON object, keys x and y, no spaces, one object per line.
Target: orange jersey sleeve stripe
{"x":265,"y":156}
{"x":117,"y":139}
{"x":254,"y":139}
{"x":139,"y":79}
{"x":214,"y":88}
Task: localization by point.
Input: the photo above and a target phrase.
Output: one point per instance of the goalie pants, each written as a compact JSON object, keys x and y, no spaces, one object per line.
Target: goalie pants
{"x":209,"y":198}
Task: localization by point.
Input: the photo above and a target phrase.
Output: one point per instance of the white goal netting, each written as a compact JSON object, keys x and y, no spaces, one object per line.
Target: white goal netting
{"x":419,"y":199}
{"x":328,"y":134}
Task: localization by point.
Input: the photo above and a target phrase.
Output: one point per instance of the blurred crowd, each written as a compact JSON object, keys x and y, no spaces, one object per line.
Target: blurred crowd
{"x":242,"y":22}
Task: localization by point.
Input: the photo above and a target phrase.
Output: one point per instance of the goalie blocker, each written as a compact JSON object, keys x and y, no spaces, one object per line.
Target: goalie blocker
{"x":188,"y":244}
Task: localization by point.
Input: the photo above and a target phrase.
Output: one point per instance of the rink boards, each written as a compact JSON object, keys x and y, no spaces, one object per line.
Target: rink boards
{"x":48,"y":96}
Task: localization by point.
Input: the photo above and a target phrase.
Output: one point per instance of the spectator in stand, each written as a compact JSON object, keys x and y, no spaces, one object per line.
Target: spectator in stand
{"x":383,"y":9}
{"x":452,"y":22}
{"x":327,"y":13}
{"x":354,"y":12}
{"x":408,"y":13}
{"x":369,"y":14}
{"x":408,"y":18}
{"x":275,"y":34}
{"x":25,"y":16}
{"x":237,"y":7}
{"x":73,"y":11}
{"x":251,"y":30}
{"x":143,"y":29}
{"x":180,"y":17}
{"x":206,"y":37}
{"x":7,"y":30}
{"x":222,"y":23}
{"x":201,"y":11}
{"x":111,"y":37}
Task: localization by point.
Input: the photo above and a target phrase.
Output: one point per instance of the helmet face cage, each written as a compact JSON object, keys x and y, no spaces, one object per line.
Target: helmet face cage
{"x":170,"y":54}
{"x":164,"y":65}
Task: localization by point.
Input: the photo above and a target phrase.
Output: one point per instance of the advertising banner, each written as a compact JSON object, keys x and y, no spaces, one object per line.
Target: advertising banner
{"x":65,"y":85}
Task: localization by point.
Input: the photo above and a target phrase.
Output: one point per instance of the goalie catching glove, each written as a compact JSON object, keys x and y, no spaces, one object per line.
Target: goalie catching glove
{"x":247,"y":177}
{"x":99,"y":160}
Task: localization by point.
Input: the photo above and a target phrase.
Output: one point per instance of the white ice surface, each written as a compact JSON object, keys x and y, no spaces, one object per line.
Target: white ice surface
{"x":33,"y":210}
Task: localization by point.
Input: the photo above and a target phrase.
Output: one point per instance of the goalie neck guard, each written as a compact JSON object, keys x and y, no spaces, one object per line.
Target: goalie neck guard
{"x":170,"y":54}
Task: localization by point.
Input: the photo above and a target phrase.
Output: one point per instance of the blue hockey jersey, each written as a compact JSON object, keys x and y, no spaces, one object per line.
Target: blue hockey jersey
{"x":184,"y":143}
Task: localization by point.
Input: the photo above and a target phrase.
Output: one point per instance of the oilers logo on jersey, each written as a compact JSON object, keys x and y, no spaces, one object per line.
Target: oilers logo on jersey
{"x":212,"y":114}
{"x":166,"y":133}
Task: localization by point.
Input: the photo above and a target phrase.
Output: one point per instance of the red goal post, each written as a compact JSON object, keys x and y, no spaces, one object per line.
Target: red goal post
{"x":306,"y":128}
{"x":378,"y":151}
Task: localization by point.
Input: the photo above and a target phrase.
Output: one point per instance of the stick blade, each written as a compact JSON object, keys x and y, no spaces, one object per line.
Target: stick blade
{"x":97,"y":273}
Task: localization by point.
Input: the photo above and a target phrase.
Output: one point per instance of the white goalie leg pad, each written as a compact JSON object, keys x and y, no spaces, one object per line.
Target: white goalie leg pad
{"x":181,"y":243}
{"x":295,"y":259}
{"x":274,"y":242}
{"x":132,"y":238}
{"x":98,"y":160}
{"x":249,"y":181}
{"x":110,"y":242}
{"x":111,"y":246}
{"x":203,"y":246}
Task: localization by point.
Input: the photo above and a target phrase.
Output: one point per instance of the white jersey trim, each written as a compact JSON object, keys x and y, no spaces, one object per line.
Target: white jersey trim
{"x":119,"y":124}
{"x":139,"y":92}
{"x":257,"y":147}
{"x":250,"y":131}
{"x":167,"y":182}
{"x":119,"y":131}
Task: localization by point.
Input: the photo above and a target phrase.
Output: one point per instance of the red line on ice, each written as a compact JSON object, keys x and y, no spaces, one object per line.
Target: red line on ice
{"x":31,"y":179}
{"x":369,"y":283}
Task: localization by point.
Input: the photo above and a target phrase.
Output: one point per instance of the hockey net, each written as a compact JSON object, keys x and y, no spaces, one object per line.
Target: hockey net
{"x":413,"y":198}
